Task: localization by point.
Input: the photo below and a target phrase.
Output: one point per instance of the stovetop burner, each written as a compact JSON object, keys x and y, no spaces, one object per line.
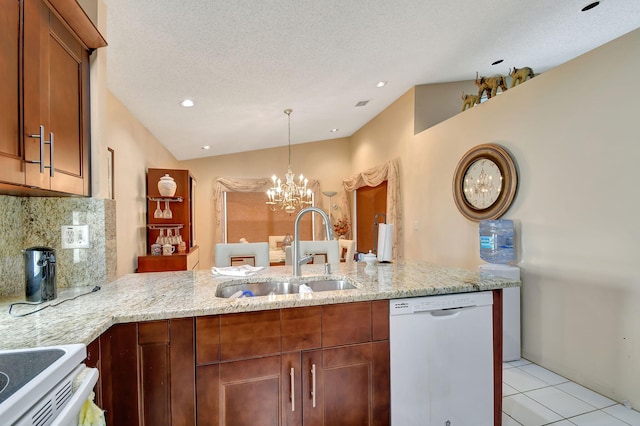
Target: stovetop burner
{"x":17,"y":369}
{"x":4,"y":381}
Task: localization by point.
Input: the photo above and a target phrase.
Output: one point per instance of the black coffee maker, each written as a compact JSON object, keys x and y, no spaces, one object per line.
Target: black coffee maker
{"x":40,"y":274}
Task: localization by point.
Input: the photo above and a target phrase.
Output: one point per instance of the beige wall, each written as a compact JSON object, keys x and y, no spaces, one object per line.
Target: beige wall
{"x":327,"y":161}
{"x":136,"y":150}
{"x":576,"y":143}
{"x":435,"y":103}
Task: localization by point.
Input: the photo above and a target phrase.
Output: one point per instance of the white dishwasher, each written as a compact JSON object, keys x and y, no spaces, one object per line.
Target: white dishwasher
{"x":442,"y":360}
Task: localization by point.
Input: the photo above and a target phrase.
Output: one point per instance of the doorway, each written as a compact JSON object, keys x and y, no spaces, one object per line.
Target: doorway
{"x":371,"y":208}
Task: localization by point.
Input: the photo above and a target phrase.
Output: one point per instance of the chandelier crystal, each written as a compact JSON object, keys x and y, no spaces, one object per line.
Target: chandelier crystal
{"x":289,"y":195}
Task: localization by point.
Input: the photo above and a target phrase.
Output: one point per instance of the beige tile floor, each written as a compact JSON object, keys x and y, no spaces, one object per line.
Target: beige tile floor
{"x":535,"y":396}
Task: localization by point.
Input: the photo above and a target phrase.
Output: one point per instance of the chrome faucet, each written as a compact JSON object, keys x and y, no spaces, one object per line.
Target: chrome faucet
{"x":297,"y":261}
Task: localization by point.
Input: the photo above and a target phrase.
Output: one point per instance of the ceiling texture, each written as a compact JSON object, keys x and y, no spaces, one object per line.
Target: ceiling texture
{"x":244,"y":62}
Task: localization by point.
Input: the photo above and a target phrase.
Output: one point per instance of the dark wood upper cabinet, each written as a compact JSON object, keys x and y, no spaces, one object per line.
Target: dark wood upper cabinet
{"x":10,"y":147}
{"x":44,"y":114}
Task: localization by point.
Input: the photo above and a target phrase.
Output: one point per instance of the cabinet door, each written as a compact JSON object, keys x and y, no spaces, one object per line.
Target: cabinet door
{"x":93,"y":361}
{"x":250,"y":392}
{"x":148,"y":373}
{"x":56,"y":96}
{"x":346,"y":385}
{"x":10,"y":148}
{"x":119,"y":374}
{"x":154,"y":372}
{"x":291,"y":389}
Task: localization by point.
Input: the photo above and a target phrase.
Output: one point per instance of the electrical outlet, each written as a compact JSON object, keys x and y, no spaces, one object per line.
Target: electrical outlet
{"x":75,"y":236}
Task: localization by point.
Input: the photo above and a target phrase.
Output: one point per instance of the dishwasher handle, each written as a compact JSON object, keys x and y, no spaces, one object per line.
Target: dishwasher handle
{"x":450,"y":312}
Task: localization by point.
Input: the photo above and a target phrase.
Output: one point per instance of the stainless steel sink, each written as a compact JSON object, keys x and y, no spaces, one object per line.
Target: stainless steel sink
{"x":266,"y":288}
{"x":330,"y":285}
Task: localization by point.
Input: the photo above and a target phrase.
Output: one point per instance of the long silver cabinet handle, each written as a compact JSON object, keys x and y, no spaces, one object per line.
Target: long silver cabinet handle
{"x":293,"y":389}
{"x":42,"y":142}
{"x":313,"y":385}
{"x":41,"y":137}
{"x":50,"y":154}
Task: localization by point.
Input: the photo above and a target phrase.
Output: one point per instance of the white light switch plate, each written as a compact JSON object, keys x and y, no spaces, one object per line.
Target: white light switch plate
{"x":75,"y":236}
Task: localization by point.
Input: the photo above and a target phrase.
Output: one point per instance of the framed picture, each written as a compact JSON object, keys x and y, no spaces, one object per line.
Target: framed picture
{"x":110,"y":175}
{"x":192,"y":209}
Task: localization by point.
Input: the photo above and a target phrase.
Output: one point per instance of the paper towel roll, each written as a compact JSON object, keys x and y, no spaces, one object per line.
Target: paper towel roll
{"x":385,"y":242}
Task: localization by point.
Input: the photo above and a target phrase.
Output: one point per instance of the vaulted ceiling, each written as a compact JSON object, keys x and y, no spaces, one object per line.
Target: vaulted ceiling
{"x":244,"y":62}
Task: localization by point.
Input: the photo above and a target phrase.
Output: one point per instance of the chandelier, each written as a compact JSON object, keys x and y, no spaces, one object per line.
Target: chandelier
{"x":289,"y":195}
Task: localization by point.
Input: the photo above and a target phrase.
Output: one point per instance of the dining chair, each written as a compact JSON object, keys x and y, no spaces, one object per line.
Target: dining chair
{"x":330,"y":249}
{"x":259,"y":251}
{"x":274,"y":240}
{"x":348,"y":247}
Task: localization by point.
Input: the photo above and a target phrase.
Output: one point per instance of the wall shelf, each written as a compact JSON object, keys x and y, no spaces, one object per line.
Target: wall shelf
{"x":167,"y":199}
{"x":165,"y":226}
{"x":179,"y":224}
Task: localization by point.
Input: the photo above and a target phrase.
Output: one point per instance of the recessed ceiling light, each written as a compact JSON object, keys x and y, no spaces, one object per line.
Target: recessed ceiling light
{"x":499,"y":61}
{"x":334,"y":130}
{"x":381,"y":84}
{"x":590,"y":6}
{"x":206,"y":147}
{"x":187,"y":103}
{"x":362,"y":103}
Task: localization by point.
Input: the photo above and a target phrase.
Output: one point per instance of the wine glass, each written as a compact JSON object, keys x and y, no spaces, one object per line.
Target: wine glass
{"x":167,"y":214}
{"x":158,"y":213}
{"x":160,"y":239}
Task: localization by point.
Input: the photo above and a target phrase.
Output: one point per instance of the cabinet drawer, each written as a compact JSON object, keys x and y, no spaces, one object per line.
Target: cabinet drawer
{"x":153,"y":332}
{"x":249,"y":335}
{"x":301,"y":328}
{"x":207,"y":340}
{"x":346,"y":324}
{"x":380,"y":320}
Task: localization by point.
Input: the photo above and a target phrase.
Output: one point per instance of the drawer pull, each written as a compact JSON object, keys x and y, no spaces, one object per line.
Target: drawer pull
{"x":313,"y":385}
{"x":293,"y":386}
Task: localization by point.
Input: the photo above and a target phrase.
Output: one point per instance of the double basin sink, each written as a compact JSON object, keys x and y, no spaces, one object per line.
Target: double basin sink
{"x":285,"y":286}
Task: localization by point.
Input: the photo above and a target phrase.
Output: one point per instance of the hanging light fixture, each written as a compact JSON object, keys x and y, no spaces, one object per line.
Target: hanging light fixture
{"x":289,"y":195}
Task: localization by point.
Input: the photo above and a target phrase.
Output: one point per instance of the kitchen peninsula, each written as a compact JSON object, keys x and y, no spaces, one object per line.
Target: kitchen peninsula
{"x":172,"y":323}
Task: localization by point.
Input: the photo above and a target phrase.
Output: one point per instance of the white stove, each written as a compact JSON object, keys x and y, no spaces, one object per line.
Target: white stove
{"x":40,"y":386}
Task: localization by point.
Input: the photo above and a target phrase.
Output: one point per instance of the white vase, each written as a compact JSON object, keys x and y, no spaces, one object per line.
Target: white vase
{"x":167,"y":186}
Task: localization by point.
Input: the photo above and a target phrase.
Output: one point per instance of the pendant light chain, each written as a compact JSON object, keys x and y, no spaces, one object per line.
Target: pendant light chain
{"x":288,"y":112}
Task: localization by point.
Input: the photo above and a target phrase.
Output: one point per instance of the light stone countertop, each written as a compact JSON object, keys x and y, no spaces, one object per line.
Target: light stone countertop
{"x":164,"y":295}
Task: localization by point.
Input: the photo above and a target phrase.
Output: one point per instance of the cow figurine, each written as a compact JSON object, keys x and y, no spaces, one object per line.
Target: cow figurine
{"x":469,"y":101}
{"x":519,"y":75}
{"x":490,"y":85}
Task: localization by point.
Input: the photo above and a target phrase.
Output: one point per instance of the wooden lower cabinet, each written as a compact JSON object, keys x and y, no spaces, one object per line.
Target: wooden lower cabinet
{"x":346,"y":385}
{"x":249,"y":369}
{"x":351,"y":387}
{"x":147,"y":373}
{"x":324,"y":365}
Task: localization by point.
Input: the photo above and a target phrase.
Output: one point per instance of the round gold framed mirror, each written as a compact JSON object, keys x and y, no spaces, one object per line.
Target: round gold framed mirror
{"x":485,"y":182}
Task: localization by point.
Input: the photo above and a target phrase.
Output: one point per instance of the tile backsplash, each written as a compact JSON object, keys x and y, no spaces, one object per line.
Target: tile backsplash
{"x":36,"y":221}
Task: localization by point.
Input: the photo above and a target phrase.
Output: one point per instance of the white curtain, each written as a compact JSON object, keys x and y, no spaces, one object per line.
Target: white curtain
{"x":374,"y":177}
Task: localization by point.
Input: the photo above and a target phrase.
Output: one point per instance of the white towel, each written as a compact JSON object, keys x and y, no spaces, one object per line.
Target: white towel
{"x":236,"y":271}
{"x":91,"y":414}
